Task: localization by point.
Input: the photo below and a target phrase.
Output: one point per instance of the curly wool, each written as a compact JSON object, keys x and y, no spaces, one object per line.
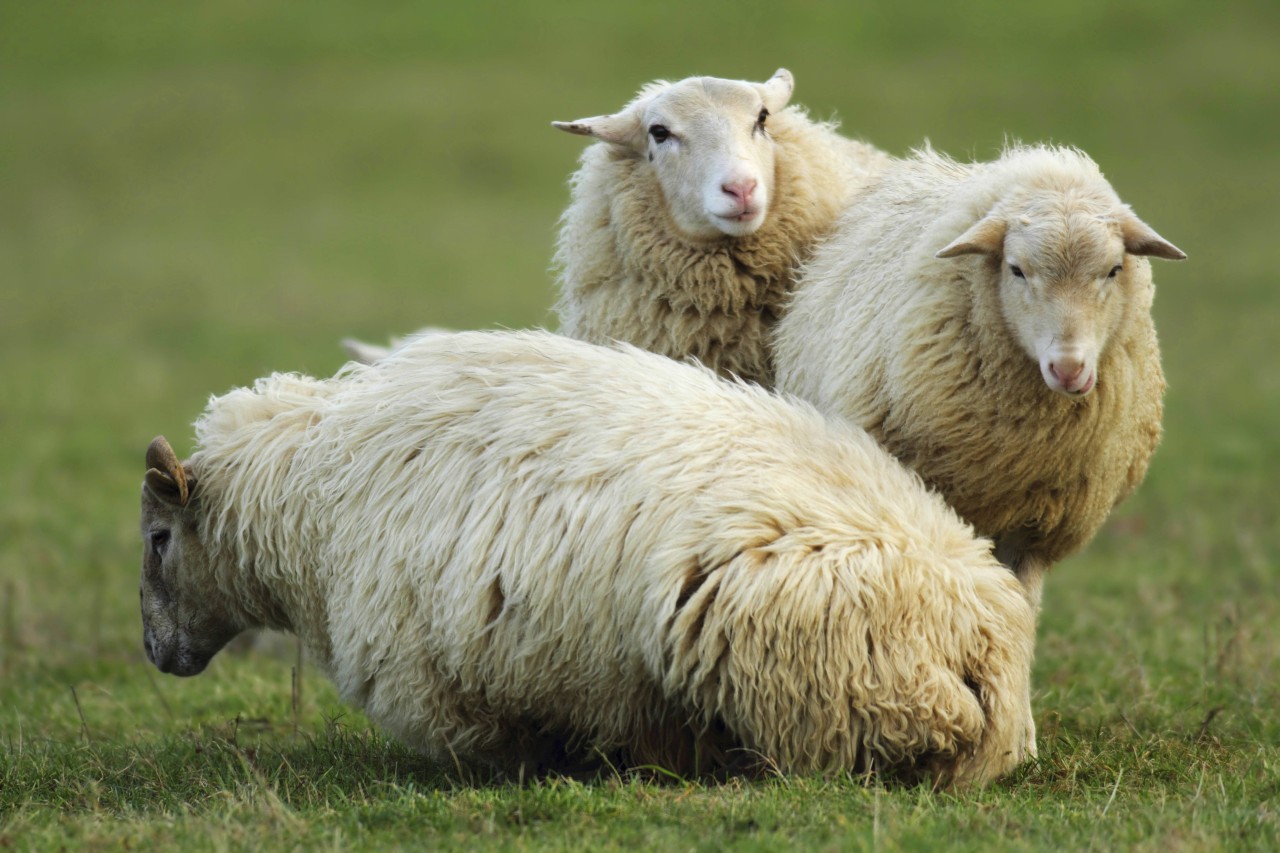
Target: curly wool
{"x":916,"y":350}
{"x":627,"y":274}
{"x":505,"y":545}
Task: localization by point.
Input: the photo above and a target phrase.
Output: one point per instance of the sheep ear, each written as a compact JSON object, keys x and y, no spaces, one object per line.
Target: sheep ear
{"x":1141,"y":239}
{"x":166,"y":478}
{"x":986,"y":237}
{"x":777,"y":90}
{"x":617,"y":129}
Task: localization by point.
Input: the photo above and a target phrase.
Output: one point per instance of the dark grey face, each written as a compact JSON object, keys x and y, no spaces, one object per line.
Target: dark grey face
{"x":184,"y":623}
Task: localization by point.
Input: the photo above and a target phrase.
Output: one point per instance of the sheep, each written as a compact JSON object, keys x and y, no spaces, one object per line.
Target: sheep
{"x":518,"y":548}
{"x":990,"y":324}
{"x":688,"y":218}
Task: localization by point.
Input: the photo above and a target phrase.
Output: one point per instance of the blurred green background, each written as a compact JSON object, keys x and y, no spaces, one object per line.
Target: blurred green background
{"x":194,"y":194}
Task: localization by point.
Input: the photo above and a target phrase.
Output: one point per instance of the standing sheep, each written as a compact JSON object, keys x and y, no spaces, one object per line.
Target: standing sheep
{"x":508,"y":545}
{"x":990,"y":324}
{"x":688,"y":219}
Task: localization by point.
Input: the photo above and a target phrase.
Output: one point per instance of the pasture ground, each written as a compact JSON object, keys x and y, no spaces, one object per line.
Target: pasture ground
{"x":195,"y":194}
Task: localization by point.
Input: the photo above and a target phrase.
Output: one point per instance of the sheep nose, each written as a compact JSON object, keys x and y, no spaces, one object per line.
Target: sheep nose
{"x":149,"y":646}
{"x":741,"y":190}
{"x":1066,"y":370}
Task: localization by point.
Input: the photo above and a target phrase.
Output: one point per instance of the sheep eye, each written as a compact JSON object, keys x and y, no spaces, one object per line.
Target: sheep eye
{"x":659,"y":133}
{"x":159,"y":539}
{"x":1115,"y":271}
{"x":1016,"y":270}
{"x":764,"y":114}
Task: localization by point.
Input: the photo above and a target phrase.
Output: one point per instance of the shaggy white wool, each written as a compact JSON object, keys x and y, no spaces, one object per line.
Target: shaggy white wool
{"x":917,"y":321}
{"x":500,"y":544}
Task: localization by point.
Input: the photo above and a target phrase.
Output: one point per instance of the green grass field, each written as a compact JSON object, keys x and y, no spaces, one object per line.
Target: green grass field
{"x":195,"y":194}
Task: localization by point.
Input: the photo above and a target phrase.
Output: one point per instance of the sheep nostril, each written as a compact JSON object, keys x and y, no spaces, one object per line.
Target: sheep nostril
{"x":741,"y":190}
{"x":1069,"y":372}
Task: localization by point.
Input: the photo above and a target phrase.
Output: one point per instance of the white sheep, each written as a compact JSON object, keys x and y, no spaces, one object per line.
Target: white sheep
{"x":990,"y":324}
{"x":517,"y":547}
{"x":688,"y":219}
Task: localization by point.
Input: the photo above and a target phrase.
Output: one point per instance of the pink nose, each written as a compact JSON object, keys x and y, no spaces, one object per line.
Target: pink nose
{"x":1066,"y":370}
{"x":741,"y":190}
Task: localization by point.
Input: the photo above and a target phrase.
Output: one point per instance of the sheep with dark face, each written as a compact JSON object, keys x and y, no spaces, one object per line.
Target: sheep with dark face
{"x":513,"y":546}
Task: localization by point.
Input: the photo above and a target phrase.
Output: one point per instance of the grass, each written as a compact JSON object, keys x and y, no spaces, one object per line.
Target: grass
{"x":194,"y":194}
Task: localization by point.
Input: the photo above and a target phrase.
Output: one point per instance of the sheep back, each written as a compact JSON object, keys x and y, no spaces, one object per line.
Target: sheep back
{"x":504,"y":545}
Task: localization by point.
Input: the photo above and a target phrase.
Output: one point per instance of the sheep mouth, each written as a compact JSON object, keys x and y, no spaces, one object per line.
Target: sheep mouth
{"x":183,"y":663}
{"x":740,"y":224}
{"x":1073,"y":388}
{"x":744,"y":216}
{"x":1086,"y":387}
{"x":1079,"y":392}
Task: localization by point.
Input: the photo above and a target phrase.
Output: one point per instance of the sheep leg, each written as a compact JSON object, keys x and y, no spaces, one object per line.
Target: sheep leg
{"x":1016,"y":552}
{"x":1030,"y":568}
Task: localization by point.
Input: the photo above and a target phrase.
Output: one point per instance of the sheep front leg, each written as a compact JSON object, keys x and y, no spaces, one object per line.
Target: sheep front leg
{"x":1029,"y":568}
{"x":1016,"y":552}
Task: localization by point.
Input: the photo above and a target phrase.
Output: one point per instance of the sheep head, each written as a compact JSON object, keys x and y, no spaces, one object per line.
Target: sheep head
{"x":709,"y":145}
{"x":1063,"y":253}
{"x":182,"y":624}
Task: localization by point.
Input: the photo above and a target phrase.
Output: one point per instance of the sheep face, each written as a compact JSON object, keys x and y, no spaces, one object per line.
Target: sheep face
{"x":183,"y":625}
{"x":709,"y":145}
{"x":1065,"y":277}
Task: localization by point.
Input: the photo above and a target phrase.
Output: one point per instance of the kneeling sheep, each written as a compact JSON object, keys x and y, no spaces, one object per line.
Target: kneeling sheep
{"x":515,"y":546}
